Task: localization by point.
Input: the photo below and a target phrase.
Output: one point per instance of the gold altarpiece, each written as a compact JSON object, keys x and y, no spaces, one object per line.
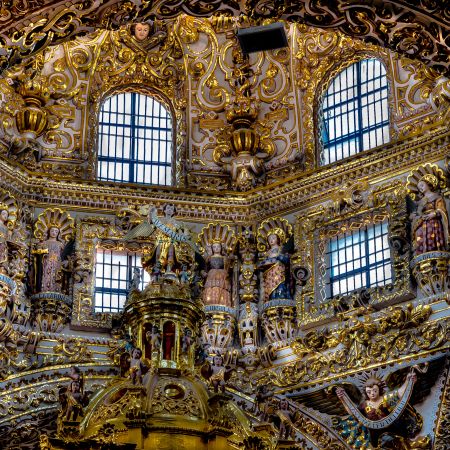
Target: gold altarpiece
{"x":248,"y":166}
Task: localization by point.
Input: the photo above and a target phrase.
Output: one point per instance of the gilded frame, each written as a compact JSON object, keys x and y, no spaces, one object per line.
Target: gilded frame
{"x":353,"y":207}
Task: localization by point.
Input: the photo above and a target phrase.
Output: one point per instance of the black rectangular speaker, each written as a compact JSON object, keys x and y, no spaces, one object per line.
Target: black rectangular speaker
{"x":265,"y":37}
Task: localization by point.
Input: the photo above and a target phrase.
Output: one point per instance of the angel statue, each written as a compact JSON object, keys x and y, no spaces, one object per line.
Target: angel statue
{"x":379,"y":418}
{"x":430,"y":222}
{"x":273,"y":240}
{"x":217,"y":373}
{"x":216,"y":243}
{"x":171,"y":244}
{"x":54,"y":230}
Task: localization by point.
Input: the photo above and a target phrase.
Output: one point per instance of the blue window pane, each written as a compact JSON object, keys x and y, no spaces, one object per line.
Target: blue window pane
{"x":113,"y":273}
{"x":134,"y":129}
{"x":355,"y":111}
{"x":358,"y":259}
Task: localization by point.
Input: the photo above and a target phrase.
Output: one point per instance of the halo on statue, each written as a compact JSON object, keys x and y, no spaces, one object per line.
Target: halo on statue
{"x":54,"y":217}
{"x":216,"y":233}
{"x":374,"y":375}
{"x":430,"y":173}
{"x":8,"y":202}
{"x":275,"y":225}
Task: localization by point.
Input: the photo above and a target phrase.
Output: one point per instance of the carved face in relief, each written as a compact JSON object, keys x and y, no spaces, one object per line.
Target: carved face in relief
{"x":53,"y":232}
{"x":4,"y":215}
{"x":169,"y":210}
{"x":141,"y":31}
{"x":217,"y":248}
{"x":423,"y":186}
{"x":284,"y":405}
{"x":273,"y":240}
{"x":373,"y":392}
{"x":218,"y":360}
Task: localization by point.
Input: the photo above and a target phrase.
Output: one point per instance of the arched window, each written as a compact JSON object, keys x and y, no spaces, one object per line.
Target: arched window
{"x":355,"y":111}
{"x":135,"y":140}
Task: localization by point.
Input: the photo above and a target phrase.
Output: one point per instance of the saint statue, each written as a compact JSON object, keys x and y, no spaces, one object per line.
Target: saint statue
{"x":430,"y":223}
{"x":217,"y":290}
{"x":53,"y":229}
{"x":273,"y":234}
{"x":216,"y":242}
{"x":51,"y":250}
{"x":73,"y":398}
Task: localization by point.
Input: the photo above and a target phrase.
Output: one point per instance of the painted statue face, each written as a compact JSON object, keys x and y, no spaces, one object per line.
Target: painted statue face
{"x":169,"y":210}
{"x":137,"y":353}
{"x":373,"y":392}
{"x":53,"y":232}
{"x":4,"y":215}
{"x":216,"y":247}
{"x":273,"y":240}
{"x":217,"y":360}
{"x":423,"y":186}
{"x":141,"y":31}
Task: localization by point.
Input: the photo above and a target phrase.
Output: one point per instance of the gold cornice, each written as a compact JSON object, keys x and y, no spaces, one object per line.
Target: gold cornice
{"x":203,"y":205}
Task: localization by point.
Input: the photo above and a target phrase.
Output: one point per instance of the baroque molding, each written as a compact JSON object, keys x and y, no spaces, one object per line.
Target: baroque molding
{"x":416,"y":28}
{"x":201,"y":206}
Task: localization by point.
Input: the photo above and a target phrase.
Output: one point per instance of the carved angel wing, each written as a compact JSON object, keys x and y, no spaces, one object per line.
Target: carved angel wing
{"x":424,"y":383}
{"x":143,"y":230}
{"x":326,"y":401}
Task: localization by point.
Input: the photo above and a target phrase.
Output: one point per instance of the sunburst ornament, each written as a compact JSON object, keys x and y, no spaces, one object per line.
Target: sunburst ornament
{"x":431,"y":174}
{"x":54,"y":217}
{"x":216,"y":233}
{"x":275,"y":225}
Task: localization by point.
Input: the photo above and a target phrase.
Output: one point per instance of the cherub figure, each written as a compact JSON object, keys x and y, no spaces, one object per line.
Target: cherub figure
{"x":156,"y":272}
{"x":262,"y":399}
{"x":136,"y":280}
{"x":285,"y":417}
{"x":186,"y":341}
{"x":184,"y":274}
{"x":154,"y":340}
{"x":137,"y":367}
{"x":217,"y":374}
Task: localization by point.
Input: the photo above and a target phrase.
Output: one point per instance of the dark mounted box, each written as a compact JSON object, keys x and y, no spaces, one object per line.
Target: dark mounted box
{"x":265,"y":37}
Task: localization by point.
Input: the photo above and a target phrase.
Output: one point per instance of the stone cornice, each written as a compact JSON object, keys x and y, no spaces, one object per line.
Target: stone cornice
{"x":297,"y":192}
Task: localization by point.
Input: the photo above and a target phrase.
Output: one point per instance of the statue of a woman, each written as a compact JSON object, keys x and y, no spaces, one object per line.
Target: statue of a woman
{"x":430,"y":223}
{"x":216,"y":243}
{"x":51,"y":264}
{"x":217,"y":290}
{"x":275,"y":266}
{"x":53,"y":229}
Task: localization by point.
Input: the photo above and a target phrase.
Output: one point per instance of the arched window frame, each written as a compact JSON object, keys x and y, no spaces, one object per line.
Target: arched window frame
{"x":159,"y":97}
{"x":323,"y":87}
